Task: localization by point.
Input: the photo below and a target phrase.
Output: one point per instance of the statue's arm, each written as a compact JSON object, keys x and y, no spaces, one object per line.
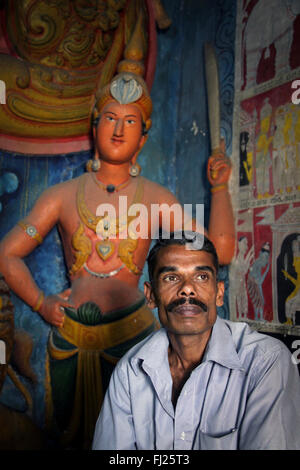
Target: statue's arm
{"x":177,"y":215}
{"x":17,"y":244}
{"x":221,"y":230}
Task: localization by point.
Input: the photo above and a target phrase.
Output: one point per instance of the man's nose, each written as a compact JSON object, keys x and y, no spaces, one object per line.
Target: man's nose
{"x":186,"y":289}
{"x":119,"y":127}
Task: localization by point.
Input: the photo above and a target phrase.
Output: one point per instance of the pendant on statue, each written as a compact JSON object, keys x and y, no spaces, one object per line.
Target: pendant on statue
{"x":105,"y":249}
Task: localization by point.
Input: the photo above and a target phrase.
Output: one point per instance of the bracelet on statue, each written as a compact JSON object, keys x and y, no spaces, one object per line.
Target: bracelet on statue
{"x":31,"y":231}
{"x":219,"y":187}
{"x":39,"y":301}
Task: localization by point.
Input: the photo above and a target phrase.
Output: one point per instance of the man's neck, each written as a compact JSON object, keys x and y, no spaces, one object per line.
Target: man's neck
{"x":187,"y":350}
{"x":184,"y":355}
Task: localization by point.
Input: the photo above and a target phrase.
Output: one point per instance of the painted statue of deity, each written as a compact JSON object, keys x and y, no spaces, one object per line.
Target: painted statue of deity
{"x":104,"y":220}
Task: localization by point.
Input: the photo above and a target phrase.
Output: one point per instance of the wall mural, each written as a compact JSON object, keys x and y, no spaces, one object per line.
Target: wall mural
{"x":267,"y":169}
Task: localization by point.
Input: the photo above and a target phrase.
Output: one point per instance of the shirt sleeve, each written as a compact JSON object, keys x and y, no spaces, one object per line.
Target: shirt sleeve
{"x":114,"y":428}
{"x":272,"y":416}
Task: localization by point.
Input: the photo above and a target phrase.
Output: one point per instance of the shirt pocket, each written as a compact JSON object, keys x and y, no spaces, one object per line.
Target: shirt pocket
{"x":217,"y":440}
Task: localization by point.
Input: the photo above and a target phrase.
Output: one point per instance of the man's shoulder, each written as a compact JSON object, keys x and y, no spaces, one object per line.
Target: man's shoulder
{"x":143,"y":350}
{"x":250,"y":343}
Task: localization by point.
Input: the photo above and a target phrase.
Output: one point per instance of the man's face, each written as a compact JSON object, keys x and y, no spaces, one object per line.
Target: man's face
{"x":186,"y":291}
{"x":119,"y":132}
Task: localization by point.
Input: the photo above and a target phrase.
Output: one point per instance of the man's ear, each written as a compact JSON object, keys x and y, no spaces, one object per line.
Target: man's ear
{"x":220,"y":294}
{"x":149,"y":294}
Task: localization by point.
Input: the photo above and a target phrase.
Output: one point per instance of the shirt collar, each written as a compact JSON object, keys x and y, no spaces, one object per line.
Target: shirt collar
{"x":154,"y":351}
{"x":220,"y":349}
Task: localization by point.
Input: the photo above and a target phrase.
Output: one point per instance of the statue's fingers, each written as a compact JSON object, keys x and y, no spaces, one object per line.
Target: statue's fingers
{"x":65,"y":294}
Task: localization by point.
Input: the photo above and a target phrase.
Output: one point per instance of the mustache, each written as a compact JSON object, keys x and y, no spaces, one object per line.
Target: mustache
{"x":189,"y":300}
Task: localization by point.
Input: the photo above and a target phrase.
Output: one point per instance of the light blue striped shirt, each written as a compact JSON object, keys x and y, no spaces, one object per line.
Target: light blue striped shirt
{"x":245,"y":394}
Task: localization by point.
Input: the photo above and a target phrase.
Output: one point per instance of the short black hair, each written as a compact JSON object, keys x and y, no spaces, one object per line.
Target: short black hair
{"x":181,"y":238}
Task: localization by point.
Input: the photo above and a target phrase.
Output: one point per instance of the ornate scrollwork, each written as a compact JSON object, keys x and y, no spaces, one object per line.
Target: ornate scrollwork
{"x":67,"y":50}
{"x":63,"y":33}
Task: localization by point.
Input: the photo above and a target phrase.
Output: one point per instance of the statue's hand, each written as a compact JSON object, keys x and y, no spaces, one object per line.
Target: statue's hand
{"x":51,"y":309}
{"x":219,"y":167}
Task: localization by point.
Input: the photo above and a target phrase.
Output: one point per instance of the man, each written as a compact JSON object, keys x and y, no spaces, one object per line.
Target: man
{"x":200,"y":382}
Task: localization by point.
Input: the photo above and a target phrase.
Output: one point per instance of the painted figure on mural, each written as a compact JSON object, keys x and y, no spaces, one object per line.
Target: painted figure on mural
{"x":256,"y":277}
{"x":245,"y":164}
{"x":285,"y":166}
{"x":103,"y":313}
{"x":292,"y":303}
{"x":269,"y":47}
{"x":239,"y":271}
{"x":263,"y":158}
{"x":278,"y":165}
{"x":297,"y":144}
{"x":290,"y":156}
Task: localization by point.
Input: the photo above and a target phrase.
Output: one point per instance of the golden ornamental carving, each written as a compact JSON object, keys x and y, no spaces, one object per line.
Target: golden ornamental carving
{"x":63,"y":33}
{"x":67,"y":50}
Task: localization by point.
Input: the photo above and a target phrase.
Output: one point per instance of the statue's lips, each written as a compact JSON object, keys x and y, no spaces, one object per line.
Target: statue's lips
{"x":117,"y":141}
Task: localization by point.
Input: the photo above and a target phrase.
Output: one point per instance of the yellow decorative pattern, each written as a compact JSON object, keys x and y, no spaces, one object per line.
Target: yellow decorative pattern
{"x":126,"y":251}
{"x":90,"y":220}
{"x":83,"y":248}
{"x":68,"y":49}
{"x":107,"y":335}
{"x":83,"y":245}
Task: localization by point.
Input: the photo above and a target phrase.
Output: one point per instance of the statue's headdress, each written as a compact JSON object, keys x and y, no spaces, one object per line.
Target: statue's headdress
{"x":126,"y":88}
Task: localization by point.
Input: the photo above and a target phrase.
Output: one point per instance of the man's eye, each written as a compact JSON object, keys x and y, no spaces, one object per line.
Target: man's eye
{"x":170,"y":278}
{"x":130,"y":121}
{"x":109,"y":118}
{"x":203,"y":277}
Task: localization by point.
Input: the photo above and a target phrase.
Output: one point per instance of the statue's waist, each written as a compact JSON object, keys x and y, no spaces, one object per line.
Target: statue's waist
{"x":111,"y":331}
{"x":108,"y":294}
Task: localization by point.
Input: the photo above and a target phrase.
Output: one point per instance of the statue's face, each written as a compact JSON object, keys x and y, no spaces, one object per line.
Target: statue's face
{"x":119,"y":132}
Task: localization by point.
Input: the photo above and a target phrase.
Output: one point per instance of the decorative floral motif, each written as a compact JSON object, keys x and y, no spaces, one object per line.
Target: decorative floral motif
{"x":63,"y":33}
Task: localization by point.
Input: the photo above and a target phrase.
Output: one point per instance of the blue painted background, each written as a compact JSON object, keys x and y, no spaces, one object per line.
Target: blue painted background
{"x":174,"y":156}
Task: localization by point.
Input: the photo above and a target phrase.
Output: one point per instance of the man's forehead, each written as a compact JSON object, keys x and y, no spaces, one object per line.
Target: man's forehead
{"x":179,"y":256}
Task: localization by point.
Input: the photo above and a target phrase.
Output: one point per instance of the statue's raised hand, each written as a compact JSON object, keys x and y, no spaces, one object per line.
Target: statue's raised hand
{"x":219,"y":167}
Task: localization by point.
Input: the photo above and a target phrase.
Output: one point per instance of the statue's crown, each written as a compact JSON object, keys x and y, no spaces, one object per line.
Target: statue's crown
{"x":126,"y":88}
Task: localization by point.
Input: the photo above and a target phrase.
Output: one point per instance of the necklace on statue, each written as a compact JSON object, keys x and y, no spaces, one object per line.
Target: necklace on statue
{"x":111,"y":188}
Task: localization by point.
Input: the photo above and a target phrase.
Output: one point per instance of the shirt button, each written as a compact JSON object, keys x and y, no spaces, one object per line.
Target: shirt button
{"x":182,"y":435}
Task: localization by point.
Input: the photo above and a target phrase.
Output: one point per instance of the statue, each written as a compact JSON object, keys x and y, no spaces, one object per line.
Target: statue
{"x":103,"y":313}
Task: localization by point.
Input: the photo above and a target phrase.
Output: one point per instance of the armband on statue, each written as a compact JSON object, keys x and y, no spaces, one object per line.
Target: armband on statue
{"x":31,"y":231}
{"x":39,"y":302}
